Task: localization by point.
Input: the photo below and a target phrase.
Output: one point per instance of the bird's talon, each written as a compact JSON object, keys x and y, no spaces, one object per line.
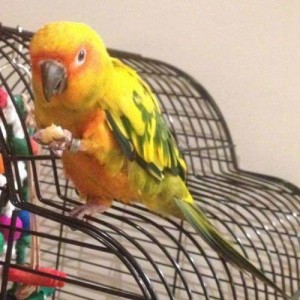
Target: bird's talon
{"x":37,"y":136}
{"x":56,"y":138}
{"x":87,"y":210}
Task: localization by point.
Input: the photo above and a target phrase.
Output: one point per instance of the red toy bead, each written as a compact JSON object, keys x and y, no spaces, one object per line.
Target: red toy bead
{"x":34,"y":146}
{"x":35,"y":279}
{"x":3,"y":98}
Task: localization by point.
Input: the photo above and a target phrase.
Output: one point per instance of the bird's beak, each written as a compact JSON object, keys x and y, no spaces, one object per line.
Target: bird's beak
{"x":54,"y":78}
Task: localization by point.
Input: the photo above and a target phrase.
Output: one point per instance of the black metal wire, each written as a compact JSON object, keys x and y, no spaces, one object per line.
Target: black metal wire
{"x":147,"y":246}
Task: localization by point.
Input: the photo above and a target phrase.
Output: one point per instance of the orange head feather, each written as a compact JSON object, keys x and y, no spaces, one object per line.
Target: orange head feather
{"x":80,"y":52}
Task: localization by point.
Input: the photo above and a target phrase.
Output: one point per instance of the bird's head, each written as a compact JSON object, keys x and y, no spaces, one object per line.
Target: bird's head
{"x":69,"y":65}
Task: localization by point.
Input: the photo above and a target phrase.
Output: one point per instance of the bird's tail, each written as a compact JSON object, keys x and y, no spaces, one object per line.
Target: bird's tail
{"x":197,"y":218}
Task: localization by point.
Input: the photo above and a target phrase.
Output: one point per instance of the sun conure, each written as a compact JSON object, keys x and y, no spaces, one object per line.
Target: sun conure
{"x":115,"y":142}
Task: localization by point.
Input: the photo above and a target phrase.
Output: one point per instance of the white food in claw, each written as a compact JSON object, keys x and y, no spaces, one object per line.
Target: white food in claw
{"x":51,"y":133}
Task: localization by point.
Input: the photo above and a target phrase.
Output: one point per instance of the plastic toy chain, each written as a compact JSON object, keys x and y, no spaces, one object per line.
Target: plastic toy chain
{"x":31,"y":282}
{"x":29,"y":289}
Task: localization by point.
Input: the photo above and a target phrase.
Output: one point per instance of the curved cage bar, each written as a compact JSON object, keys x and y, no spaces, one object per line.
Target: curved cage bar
{"x":129,"y":252}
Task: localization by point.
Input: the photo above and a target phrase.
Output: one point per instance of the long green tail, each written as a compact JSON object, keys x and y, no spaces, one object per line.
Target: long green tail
{"x":213,"y":238}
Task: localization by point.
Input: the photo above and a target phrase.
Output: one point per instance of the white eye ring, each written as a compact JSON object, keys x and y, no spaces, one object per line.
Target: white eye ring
{"x":81,"y":57}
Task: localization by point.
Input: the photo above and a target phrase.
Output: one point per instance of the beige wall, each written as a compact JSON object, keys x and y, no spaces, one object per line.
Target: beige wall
{"x":246,"y":53}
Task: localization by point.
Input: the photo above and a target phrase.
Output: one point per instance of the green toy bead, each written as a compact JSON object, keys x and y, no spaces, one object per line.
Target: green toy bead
{"x":24,"y":192}
{"x":19,"y":146}
{"x":31,"y":131}
{"x":21,"y":245}
{"x":20,"y":105}
{"x":1,"y":243}
{"x":41,"y":294}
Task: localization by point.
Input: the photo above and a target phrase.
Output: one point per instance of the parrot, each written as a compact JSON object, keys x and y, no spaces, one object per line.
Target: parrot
{"x":113,"y":139}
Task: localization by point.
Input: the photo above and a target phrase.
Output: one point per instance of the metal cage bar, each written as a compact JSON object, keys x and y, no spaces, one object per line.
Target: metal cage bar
{"x":154,"y":257}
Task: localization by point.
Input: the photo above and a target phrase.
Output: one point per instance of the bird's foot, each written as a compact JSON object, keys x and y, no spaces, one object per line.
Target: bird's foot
{"x":88,"y":210}
{"x":57,"y":139}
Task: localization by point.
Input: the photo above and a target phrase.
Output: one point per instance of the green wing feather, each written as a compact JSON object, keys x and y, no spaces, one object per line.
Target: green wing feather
{"x":140,"y":129}
{"x":144,"y":137}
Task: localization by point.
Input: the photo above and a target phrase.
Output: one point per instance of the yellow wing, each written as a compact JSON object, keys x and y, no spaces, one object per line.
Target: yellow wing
{"x":139,"y":127}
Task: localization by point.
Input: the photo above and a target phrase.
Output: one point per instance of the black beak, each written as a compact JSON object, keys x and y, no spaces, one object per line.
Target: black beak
{"x":54,"y":78}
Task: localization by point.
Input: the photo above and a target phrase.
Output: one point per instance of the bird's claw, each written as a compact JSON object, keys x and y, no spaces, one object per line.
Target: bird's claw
{"x":87,"y":210}
{"x":56,"y":144}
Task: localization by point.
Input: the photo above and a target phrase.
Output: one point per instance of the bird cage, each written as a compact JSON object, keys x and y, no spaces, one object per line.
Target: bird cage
{"x":129,"y":252}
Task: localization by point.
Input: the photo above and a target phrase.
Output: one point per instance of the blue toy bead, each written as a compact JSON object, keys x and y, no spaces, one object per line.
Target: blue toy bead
{"x":25,"y":218}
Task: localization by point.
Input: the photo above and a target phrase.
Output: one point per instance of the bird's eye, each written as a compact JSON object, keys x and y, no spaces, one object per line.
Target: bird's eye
{"x":81,"y":57}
